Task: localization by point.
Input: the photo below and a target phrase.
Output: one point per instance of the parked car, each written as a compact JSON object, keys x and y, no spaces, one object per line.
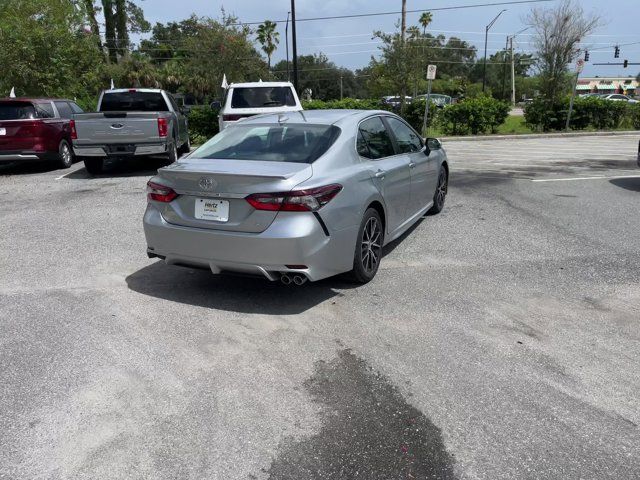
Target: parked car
{"x":617,"y":97}
{"x":243,"y":100}
{"x":439,"y":99}
{"x":34,"y":129}
{"x":129,"y":123}
{"x":394,"y":101}
{"x":296,"y":196}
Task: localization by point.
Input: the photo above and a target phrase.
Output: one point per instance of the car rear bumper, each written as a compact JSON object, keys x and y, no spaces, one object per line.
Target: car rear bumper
{"x":120,"y":150}
{"x":25,"y":156}
{"x":294,"y":239}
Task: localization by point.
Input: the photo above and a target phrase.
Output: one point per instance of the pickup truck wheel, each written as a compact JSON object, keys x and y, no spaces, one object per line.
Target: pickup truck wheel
{"x":94,"y":165}
{"x":186,"y":147}
{"x":65,"y":155}
{"x":173,"y":153}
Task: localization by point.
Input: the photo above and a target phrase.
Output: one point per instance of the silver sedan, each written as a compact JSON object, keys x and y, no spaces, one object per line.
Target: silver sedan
{"x":296,"y":196}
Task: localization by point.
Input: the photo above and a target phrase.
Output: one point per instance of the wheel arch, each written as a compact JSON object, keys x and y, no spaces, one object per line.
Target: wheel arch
{"x":378,"y":207}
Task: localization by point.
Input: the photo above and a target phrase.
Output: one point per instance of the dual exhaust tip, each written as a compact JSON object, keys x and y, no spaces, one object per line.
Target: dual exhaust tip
{"x":296,"y":279}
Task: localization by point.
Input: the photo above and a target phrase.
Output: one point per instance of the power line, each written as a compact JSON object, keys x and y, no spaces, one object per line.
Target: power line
{"x":377,"y":14}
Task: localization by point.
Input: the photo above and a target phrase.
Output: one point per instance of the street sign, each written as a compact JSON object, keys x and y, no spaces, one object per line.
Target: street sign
{"x":579,"y":65}
{"x":431,"y":72}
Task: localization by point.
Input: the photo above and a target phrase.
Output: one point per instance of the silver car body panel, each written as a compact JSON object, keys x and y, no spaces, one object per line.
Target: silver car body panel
{"x":266,"y":243}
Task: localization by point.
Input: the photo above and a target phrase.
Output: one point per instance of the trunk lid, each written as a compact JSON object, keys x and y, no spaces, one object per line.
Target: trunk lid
{"x":230,"y":181}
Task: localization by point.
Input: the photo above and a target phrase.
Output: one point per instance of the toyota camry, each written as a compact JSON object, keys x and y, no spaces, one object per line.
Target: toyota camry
{"x":296,"y":196}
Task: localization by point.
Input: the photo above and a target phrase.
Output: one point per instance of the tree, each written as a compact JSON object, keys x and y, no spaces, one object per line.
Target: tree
{"x":194,"y":54}
{"x":45,"y":49}
{"x":425,"y":19}
{"x":268,"y":38}
{"x":322,"y":77}
{"x":120,"y":18}
{"x":558,"y":31}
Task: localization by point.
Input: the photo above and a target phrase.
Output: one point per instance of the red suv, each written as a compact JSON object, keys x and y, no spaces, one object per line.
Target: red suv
{"x":36,"y":129}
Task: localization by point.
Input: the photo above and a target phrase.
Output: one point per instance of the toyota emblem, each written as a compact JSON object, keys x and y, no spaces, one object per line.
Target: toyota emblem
{"x":207,"y":183}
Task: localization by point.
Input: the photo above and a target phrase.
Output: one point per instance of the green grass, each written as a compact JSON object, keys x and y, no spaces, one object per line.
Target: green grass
{"x":513,"y":125}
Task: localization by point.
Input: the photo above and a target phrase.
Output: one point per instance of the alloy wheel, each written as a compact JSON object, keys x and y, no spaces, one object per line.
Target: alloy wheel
{"x":441,"y":191}
{"x":65,"y":155}
{"x":371,"y":246}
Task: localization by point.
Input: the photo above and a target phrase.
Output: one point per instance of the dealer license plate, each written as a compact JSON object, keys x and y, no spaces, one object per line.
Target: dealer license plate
{"x":212,"y":209}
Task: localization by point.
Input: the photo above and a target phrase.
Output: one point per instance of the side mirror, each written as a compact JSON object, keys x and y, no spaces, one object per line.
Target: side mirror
{"x":215,"y":105}
{"x":185,"y":110}
{"x":433,"y":144}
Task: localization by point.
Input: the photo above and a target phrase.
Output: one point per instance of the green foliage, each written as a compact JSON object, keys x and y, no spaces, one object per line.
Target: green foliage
{"x":268,"y":38}
{"x":45,"y":50}
{"x":588,"y":112}
{"x":203,"y":124}
{"x":476,"y":115}
{"x":414,"y":114}
{"x":345,"y":103}
{"x":633,"y":114}
{"x":322,"y":77}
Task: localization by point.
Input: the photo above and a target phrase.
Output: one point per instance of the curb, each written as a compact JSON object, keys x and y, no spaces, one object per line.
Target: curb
{"x":526,"y":136}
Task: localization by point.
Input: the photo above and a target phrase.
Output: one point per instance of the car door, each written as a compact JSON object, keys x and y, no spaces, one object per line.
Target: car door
{"x":389,"y":170}
{"x":423,"y":164}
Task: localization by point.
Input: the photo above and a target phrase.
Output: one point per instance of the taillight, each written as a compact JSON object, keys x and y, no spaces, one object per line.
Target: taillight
{"x":163,"y":127}
{"x":296,"y":201}
{"x":74,"y":132}
{"x":160,"y":193}
{"x":231,"y":118}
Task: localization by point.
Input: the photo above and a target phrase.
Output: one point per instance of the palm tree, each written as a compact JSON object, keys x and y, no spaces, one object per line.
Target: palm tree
{"x":268,"y":38}
{"x":425,"y":20}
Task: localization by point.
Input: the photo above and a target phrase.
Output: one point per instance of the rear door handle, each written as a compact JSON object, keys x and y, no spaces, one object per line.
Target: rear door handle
{"x":380,"y":174}
{"x":412,"y":164}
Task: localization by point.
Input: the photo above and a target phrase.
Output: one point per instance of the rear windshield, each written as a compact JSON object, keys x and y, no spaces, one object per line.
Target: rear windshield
{"x":23,"y":111}
{"x":272,"y":143}
{"x":133,"y":102}
{"x":256,"y":97}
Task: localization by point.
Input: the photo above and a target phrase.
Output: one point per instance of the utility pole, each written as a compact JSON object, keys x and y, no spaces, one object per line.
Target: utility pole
{"x":486,"y":39}
{"x":513,"y":77}
{"x":340,"y":87}
{"x":403,"y":32}
{"x":504,"y":68}
{"x":286,"y":36}
{"x":295,"y":45}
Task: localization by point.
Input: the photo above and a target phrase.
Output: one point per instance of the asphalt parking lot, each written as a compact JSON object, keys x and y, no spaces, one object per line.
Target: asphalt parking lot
{"x":500,"y":339}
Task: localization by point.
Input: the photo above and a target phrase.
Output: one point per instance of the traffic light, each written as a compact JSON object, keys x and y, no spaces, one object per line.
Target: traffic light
{"x":625,"y":64}
{"x":616,"y":52}
{"x":586,"y":55}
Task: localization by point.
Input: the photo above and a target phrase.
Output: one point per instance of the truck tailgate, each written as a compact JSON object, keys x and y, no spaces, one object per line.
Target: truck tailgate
{"x":117,"y":127}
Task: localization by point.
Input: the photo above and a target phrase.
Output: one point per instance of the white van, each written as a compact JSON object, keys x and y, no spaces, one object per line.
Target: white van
{"x":247,"y":99}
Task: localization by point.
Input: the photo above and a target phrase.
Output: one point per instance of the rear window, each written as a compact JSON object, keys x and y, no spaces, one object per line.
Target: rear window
{"x":22,"y":111}
{"x":133,"y":102}
{"x":272,"y":143}
{"x":256,"y":97}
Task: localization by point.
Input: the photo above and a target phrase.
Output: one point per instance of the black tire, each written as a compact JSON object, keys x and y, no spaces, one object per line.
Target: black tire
{"x":368,"y":251}
{"x":94,"y":165}
{"x":173,"y":153}
{"x":185,"y":148}
{"x":65,"y":155}
{"x":441,"y":192}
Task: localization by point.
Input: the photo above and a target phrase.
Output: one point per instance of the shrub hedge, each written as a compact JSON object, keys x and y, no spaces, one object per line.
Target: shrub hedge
{"x":475,"y":115}
{"x":588,"y":112}
{"x":203,"y":124}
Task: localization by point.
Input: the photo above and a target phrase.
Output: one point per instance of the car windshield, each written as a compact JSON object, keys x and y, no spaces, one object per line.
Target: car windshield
{"x":298,"y":143}
{"x":20,"y":111}
{"x":256,"y":97}
{"x":133,"y":102}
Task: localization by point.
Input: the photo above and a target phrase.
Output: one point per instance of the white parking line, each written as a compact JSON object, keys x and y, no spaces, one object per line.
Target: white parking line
{"x":583,"y":178}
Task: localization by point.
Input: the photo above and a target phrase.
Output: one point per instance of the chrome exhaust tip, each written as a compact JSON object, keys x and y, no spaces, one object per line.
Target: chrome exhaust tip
{"x":285,"y":279}
{"x":299,"y":279}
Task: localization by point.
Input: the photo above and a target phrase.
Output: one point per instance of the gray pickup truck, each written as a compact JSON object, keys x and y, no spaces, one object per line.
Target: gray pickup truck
{"x":130,"y":122}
